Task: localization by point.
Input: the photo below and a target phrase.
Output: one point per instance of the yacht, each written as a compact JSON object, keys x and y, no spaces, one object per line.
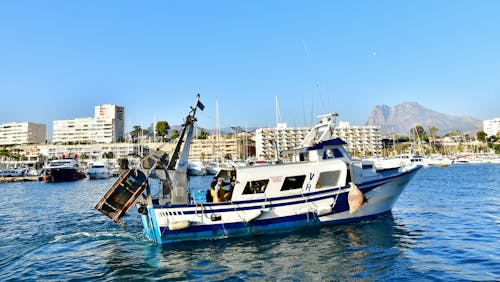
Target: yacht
{"x":63,"y":170}
{"x":99,"y":170}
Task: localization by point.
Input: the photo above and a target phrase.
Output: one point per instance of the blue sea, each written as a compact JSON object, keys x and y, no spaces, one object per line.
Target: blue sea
{"x":445,"y":226}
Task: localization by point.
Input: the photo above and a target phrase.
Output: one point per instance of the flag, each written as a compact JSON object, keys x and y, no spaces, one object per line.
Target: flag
{"x":200,"y":105}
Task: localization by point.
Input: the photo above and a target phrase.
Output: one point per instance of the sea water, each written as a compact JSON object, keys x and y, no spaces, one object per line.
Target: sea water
{"x":445,"y":226}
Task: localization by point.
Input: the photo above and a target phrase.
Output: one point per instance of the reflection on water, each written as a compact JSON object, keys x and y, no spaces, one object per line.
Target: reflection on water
{"x":337,"y":252}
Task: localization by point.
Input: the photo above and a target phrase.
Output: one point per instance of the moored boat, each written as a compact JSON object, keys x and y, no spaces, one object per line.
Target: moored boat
{"x":99,"y":170}
{"x":63,"y":170}
{"x":321,"y":185}
{"x":197,"y":168}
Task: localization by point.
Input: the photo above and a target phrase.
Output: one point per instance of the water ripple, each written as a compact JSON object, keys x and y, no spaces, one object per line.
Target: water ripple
{"x":444,"y":227}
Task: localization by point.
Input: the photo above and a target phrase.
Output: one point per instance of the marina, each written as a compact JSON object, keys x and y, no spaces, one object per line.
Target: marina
{"x":331,"y":141}
{"x":443,"y":227}
{"x":316,"y":185}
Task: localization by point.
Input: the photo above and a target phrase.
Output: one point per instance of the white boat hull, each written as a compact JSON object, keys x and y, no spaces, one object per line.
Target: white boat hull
{"x":99,"y":175}
{"x":242,"y":218}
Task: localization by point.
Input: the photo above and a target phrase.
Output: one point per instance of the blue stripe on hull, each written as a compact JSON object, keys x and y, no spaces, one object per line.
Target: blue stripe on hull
{"x":275,"y":225}
{"x":162,"y":235}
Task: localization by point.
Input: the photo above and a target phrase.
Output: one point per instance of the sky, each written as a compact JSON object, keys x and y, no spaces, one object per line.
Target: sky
{"x":59,"y":59}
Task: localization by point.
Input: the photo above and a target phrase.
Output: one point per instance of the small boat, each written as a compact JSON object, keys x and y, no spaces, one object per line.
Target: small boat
{"x":407,"y":159}
{"x":319,"y":185}
{"x":63,"y":170}
{"x":197,"y":168}
{"x":99,"y":170}
{"x":438,"y":161}
{"x":18,"y":172}
{"x":213,"y":168}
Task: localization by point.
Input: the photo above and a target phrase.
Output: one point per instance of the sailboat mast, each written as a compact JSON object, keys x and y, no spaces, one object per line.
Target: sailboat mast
{"x":217,"y":131}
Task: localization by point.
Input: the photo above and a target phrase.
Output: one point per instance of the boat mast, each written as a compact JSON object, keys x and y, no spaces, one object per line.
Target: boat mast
{"x":278,"y":126}
{"x":217,"y":132}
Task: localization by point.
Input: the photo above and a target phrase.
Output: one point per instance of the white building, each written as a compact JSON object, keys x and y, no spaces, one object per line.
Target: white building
{"x":213,"y":148}
{"x":284,"y":137}
{"x":492,"y":126}
{"x":117,"y":114}
{"x":90,"y":151}
{"x":361,"y":140}
{"x":107,"y":126}
{"x":18,"y":133}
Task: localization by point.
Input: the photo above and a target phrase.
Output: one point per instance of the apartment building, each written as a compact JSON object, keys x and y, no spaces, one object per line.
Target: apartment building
{"x":107,"y":126}
{"x":214,"y":148}
{"x":361,"y":140}
{"x":282,"y":137}
{"x":491,"y":126}
{"x":91,"y":151}
{"x":20,"y":133}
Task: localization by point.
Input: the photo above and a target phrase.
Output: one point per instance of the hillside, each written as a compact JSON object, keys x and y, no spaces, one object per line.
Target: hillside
{"x":403,"y":117}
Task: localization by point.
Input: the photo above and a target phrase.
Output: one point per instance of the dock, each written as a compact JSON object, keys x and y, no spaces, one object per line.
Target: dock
{"x":10,"y":179}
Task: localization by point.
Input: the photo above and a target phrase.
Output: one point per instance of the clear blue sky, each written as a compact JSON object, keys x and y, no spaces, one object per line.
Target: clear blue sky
{"x":58,"y":59}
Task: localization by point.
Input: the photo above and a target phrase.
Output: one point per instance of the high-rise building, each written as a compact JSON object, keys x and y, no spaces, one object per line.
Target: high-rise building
{"x":19,"y":133}
{"x":281,"y":137}
{"x":117,"y":114}
{"x":361,"y":140}
{"x":107,"y":126}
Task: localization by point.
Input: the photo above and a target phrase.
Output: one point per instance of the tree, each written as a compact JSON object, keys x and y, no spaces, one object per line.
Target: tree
{"x":138,"y":131}
{"x":203,"y":134}
{"x":174,"y":134}
{"x":108,"y":155}
{"x":418,"y":132}
{"x":432,"y":132}
{"x":481,"y":136}
{"x":162,"y":128}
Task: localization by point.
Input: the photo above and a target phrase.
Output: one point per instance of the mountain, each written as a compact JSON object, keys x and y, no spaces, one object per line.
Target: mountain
{"x":403,"y":117}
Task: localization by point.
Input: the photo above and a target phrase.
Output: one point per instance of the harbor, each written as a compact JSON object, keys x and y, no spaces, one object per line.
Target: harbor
{"x":250,"y":141}
{"x":442,"y":228}
{"x":9,"y":179}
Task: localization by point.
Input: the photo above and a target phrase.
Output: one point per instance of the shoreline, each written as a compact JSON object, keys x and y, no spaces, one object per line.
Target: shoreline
{"x":10,"y":179}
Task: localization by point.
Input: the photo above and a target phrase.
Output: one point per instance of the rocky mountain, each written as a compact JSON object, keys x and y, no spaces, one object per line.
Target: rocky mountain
{"x":403,"y":117}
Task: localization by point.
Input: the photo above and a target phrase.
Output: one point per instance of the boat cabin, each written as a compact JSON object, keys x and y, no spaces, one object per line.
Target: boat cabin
{"x":323,"y":165}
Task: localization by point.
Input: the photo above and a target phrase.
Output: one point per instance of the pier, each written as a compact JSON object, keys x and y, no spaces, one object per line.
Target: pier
{"x":9,"y":179}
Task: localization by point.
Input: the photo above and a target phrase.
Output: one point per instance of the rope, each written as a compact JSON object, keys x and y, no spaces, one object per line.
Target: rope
{"x":237,"y":212}
{"x":308,"y":205}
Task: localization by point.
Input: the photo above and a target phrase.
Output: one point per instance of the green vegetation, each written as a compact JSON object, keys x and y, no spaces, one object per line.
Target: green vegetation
{"x":162,"y":128}
{"x":203,"y":134}
{"x":174,"y":134}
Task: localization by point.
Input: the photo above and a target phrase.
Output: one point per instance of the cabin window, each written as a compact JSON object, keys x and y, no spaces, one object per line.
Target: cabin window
{"x":293,"y":182}
{"x":367,"y":166}
{"x":332,"y":153}
{"x":337,"y":153}
{"x":304,"y":157}
{"x":328,"y":179}
{"x":255,"y":187}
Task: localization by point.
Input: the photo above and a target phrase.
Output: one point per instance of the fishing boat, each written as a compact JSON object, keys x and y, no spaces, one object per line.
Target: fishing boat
{"x":319,"y":185}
